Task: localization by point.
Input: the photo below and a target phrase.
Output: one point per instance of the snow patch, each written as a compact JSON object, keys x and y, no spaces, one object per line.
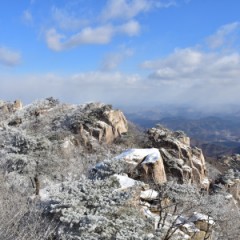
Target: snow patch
{"x":125,"y":181}
{"x":201,"y":217}
{"x":152,"y":157}
{"x":137,"y":155}
{"x":67,"y":144}
{"x":149,"y":195}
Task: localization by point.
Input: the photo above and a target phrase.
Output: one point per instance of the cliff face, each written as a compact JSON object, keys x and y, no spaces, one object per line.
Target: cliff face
{"x":184,"y":163}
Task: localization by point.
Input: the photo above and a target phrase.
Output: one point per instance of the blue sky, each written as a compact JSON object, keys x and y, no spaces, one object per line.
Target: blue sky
{"x":125,"y":52}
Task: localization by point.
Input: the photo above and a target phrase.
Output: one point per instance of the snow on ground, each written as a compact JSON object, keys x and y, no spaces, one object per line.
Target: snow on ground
{"x":137,"y":155}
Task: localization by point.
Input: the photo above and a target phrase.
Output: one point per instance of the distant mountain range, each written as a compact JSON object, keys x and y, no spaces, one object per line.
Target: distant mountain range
{"x":216,"y":135}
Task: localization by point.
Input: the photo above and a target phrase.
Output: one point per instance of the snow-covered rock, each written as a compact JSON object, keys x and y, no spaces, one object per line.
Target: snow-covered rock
{"x":149,"y":195}
{"x":182,"y":162}
{"x":136,"y":155}
{"x":145,"y":164}
{"x":125,"y":181}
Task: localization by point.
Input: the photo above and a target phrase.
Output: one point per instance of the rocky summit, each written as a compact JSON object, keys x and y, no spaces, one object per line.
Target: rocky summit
{"x":85,"y":172}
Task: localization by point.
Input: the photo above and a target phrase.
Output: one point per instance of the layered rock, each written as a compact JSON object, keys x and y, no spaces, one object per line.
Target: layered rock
{"x":100,"y":122}
{"x":182,"y":162}
{"x":113,"y":126}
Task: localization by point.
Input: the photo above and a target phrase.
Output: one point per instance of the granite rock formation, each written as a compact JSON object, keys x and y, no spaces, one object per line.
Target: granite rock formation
{"x":145,"y":164}
{"x":182,"y":162}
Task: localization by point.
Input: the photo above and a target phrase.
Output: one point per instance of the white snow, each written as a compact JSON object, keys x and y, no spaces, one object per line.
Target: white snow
{"x":229,"y":196}
{"x":201,"y":217}
{"x":125,"y":181}
{"x":102,"y":124}
{"x":190,"y":227}
{"x":205,"y":182}
{"x":137,"y":155}
{"x":44,"y":193}
{"x":197,"y":160}
{"x":149,"y":195}
{"x":67,"y":144}
{"x":152,"y":157}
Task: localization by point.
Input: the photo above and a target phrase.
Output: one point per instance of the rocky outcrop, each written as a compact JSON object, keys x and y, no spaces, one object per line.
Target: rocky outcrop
{"x":98,"y":121}
{"x":145,"y":164}
{"x":182,"y":162}
{"x":17,"y":105}
{"x":49,"y":137}
{"x":114,"y":126}
{"x":8,"y":107}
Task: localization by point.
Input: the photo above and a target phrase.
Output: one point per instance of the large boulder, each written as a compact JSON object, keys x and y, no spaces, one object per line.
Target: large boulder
{"x":182,"y":162}
{"x":145,"y":164}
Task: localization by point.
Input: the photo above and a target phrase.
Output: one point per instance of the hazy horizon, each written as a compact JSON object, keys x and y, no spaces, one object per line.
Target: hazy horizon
{"x":128,"y":53}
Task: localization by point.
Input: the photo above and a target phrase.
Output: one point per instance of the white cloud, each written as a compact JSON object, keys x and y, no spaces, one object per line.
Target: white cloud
{"x":183,"y":59}
{"x":109,"y":87}
{"x":67,"y":21}
{"x":127,"y":9}
{"x":224,"y":35}
{"x":9,"y":57}
{"x":192,"y":66}
{"x":131,"y":28}
{"x":124,"y":9}
{"x":84,"y":29}
{"x":207,"y":79}
{"x":116,"y":80}
{"x":113,"y":60}
{"x":99,"y":35}
{"x":88,"y":35}
{"x":53,"y":39}
{"x":27,"y":16}
{"x":191,"y":76}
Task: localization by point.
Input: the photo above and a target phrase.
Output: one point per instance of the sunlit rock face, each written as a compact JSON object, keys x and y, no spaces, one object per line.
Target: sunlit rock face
{"x":182,"y":162}
{"x":145,"y":164}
